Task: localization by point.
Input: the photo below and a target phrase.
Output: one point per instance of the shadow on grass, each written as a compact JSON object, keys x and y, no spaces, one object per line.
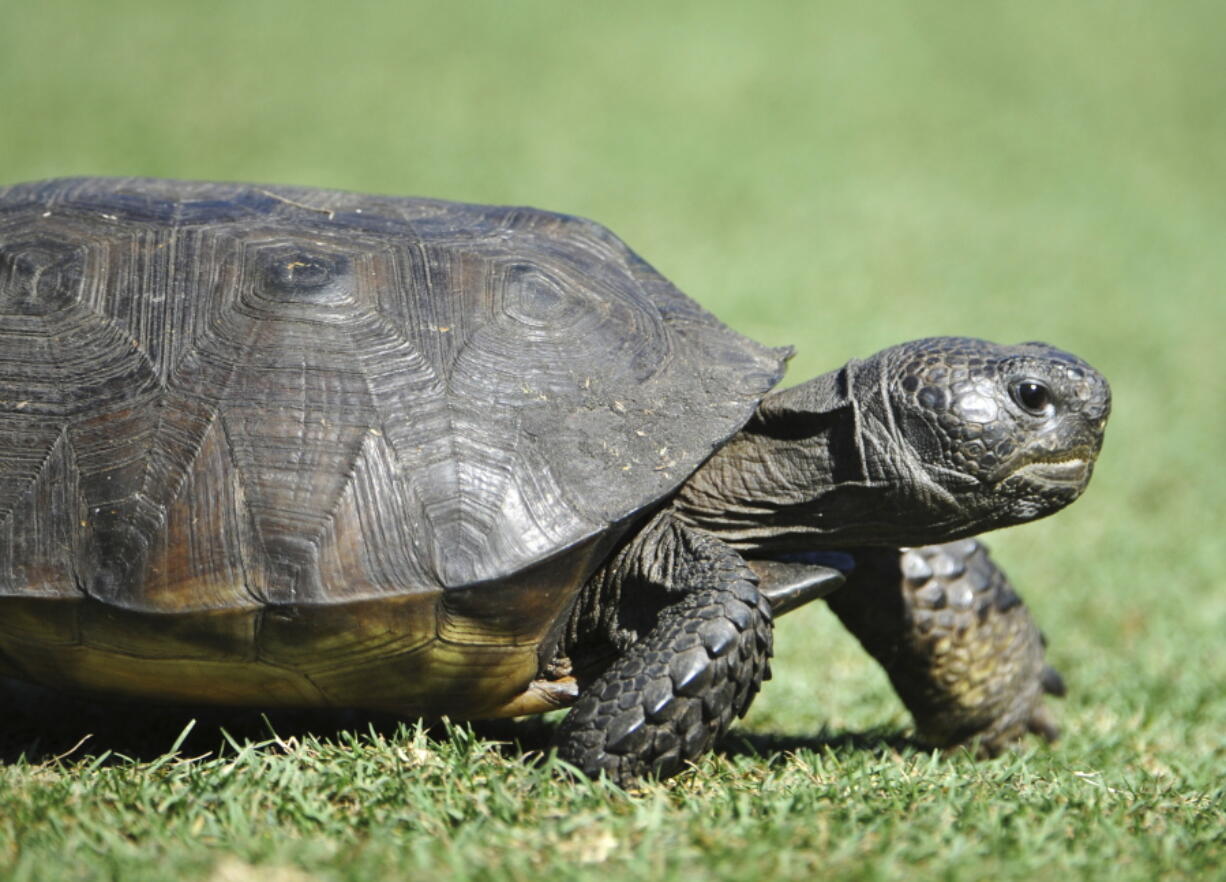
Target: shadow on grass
{"x":773,"y":748}
{"x":533,"y":734}
{"x":42,"y":725}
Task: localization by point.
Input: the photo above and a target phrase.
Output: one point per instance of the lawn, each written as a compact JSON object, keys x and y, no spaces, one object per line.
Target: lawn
{"x":837,"y":176}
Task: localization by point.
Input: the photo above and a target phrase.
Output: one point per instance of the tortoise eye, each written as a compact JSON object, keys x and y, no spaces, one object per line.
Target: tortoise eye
{"x":1033,"y":396}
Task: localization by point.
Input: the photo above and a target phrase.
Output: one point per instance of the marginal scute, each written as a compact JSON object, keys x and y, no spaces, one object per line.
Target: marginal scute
{"x":206,"y":635}
{"x":95,"y":669}
{"x":47,"y":620}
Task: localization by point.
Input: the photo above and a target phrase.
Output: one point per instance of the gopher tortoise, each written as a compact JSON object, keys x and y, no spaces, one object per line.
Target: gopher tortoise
{"x":267,"y":446}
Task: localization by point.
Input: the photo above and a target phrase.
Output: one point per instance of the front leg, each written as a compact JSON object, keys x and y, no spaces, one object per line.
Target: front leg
{"x":669,"y":695}
{"x":958,"y":644}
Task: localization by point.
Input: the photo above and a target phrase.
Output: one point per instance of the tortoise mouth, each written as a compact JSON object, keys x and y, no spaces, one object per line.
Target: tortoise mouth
{"x":1069,"y":470}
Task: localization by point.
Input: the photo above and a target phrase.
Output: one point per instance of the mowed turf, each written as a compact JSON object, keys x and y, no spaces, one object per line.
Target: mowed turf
{"x":836,"y":176}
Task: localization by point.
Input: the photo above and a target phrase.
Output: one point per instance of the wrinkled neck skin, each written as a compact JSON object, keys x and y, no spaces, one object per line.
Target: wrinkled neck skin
{"x":825,"y":465}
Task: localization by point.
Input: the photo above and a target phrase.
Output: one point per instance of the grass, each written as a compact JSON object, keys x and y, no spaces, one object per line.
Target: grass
{"x":405,"y":804}
{"x":838,"y":176}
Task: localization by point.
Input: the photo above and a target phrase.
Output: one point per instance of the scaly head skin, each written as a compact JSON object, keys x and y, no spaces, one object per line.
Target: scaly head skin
{"x":925,"y":442}
{"x":1025,"y":422}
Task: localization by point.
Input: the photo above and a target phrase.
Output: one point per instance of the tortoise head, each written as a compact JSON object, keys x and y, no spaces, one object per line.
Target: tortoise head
{"x":925,"y":442}
{"x":1012,"y":432}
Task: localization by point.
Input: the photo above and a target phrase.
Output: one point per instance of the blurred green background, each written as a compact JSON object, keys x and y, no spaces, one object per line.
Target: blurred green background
{"x":835,"y":175}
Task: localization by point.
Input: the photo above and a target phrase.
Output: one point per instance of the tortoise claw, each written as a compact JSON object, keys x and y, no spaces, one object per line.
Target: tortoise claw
{"x":1052,"y":682}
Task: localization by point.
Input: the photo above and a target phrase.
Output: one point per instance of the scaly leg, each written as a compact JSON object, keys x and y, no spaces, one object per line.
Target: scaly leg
{"x":670,"y":696}
{"x":955,"y":639}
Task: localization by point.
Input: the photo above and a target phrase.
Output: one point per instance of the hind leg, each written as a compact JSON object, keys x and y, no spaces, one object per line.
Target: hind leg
{"x":958,"y":644}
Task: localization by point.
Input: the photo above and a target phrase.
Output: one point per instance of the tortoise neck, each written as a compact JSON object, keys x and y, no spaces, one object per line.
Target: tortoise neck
{"x":799,"y":444}
{"x":819,"y":466}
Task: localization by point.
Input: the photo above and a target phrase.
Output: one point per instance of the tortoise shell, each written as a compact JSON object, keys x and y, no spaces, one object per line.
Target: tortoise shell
{"x":274,"y":446}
